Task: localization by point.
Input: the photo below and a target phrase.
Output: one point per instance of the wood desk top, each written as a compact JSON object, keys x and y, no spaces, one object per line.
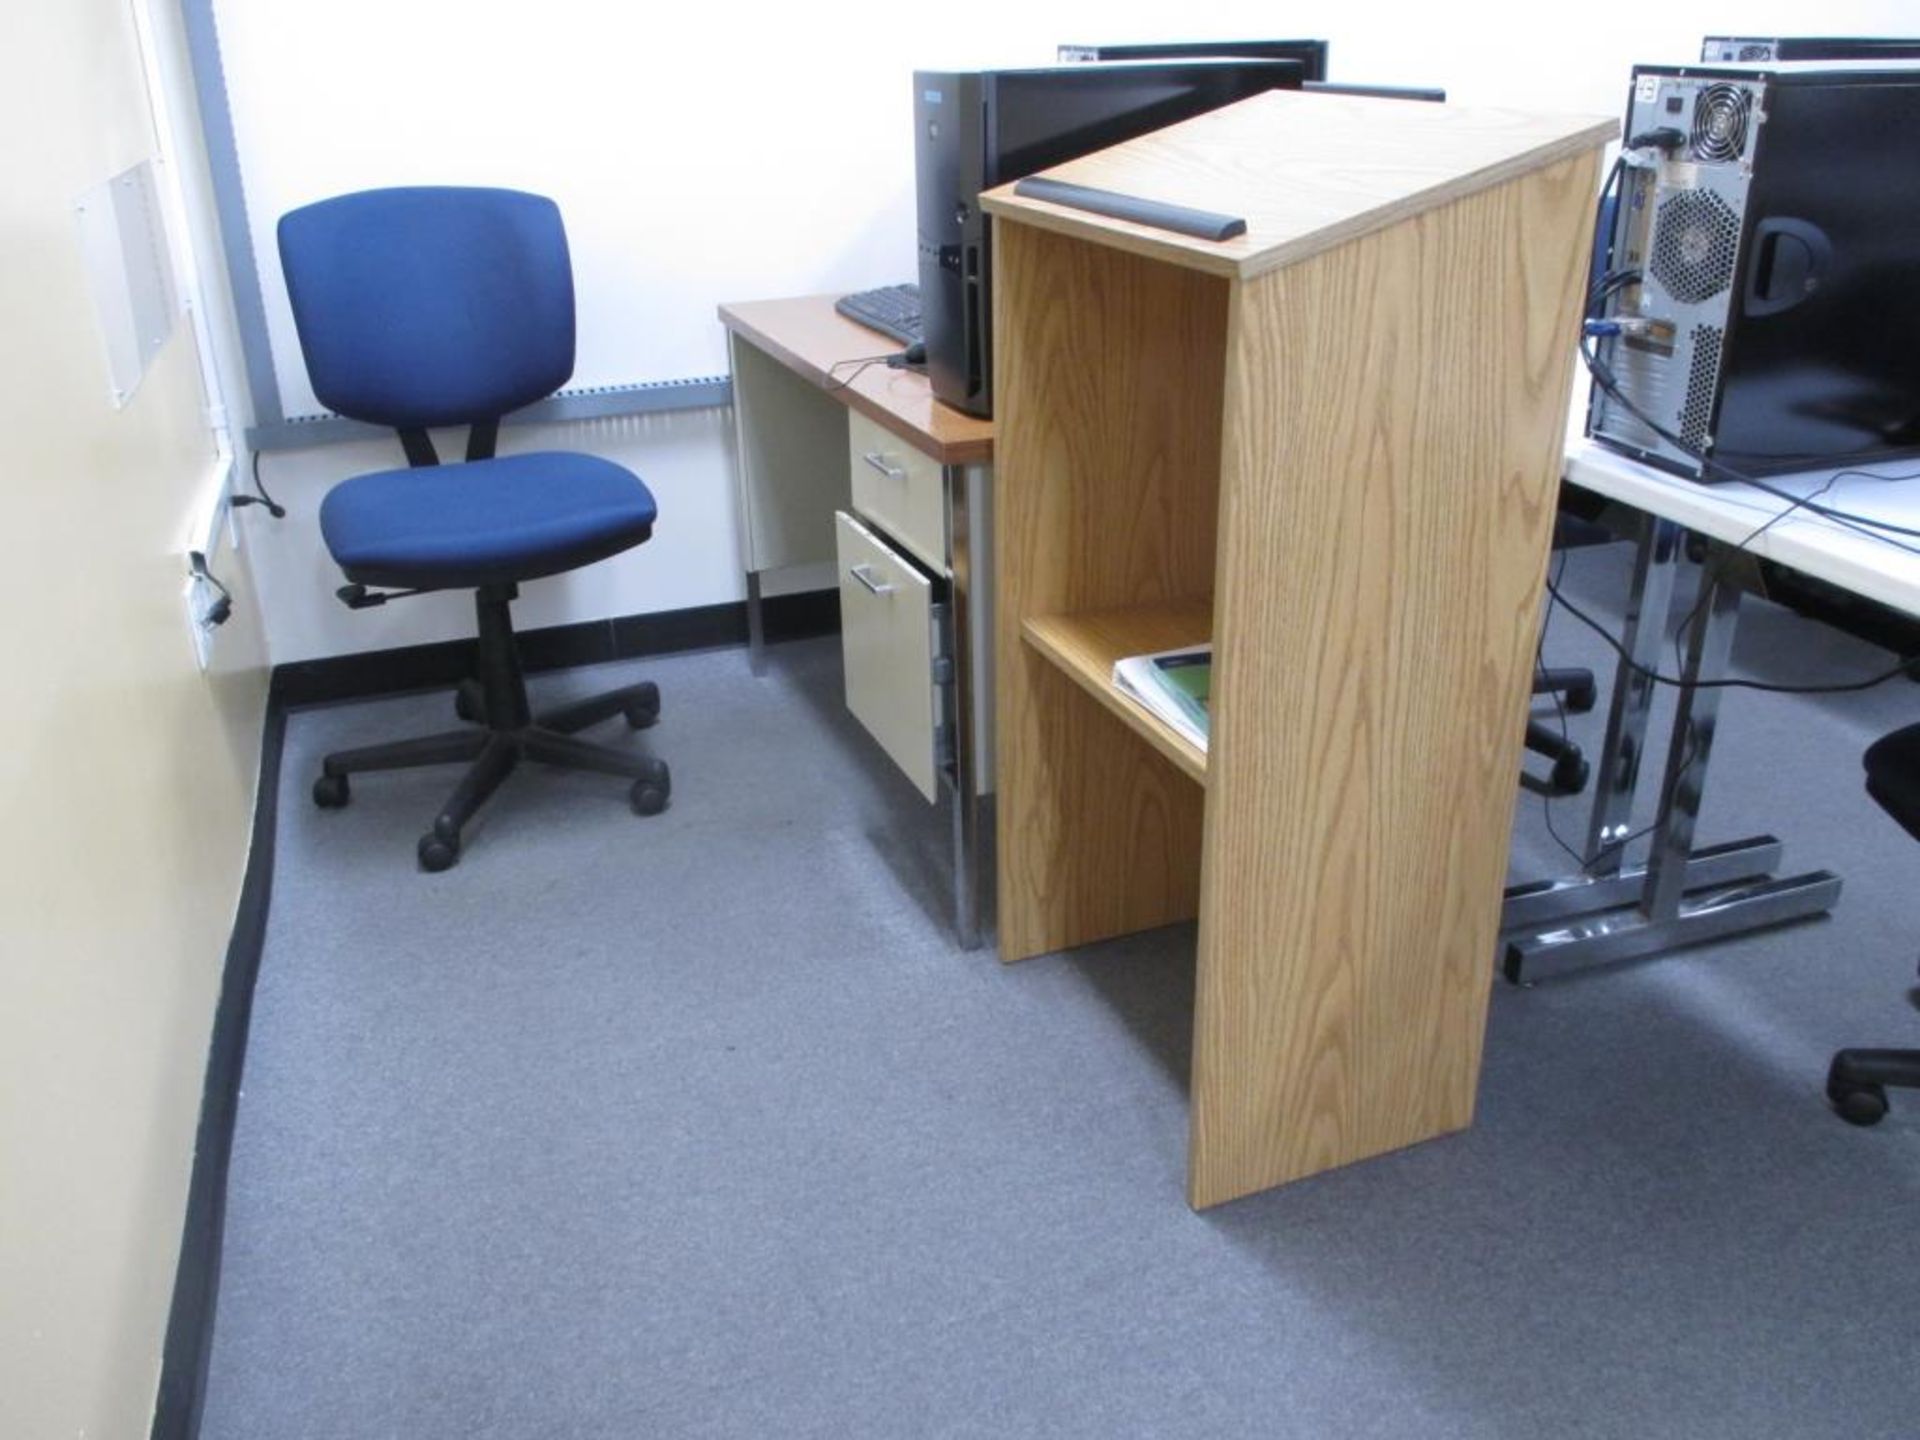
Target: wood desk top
{"x":811,"y":338}
{"x":1882,"y":567}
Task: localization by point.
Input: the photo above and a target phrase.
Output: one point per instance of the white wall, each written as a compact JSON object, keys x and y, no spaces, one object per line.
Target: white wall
{"x":841,"y":91}
{"x":126,"y":776}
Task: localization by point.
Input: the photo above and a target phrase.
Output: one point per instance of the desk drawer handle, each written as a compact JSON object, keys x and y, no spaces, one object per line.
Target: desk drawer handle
{"x":879,"y":462}
{"x":864,"y":574}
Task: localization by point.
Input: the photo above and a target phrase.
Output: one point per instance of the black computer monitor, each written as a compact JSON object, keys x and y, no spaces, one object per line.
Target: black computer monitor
{"x":1311,"y":54}
{"x":1770,"y":50}
{"x":976,"y":129}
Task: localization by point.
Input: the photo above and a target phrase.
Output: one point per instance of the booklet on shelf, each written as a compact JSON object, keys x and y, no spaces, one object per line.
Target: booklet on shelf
{"x":1173,"y":684}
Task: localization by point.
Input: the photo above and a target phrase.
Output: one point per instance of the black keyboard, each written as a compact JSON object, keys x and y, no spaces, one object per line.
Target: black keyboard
{"x":893,"y":310}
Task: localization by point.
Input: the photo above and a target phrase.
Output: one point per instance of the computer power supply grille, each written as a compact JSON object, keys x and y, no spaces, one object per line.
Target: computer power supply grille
{"x":1695,"y":245}
{"x":1720,"y":119}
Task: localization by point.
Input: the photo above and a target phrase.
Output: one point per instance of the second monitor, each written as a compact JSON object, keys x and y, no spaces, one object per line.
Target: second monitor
{"x":977,"y":129}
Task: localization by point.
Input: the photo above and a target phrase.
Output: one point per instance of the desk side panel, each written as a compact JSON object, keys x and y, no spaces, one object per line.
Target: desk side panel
{"x":1106,"y":492}
{"x":1394,"y":415}
{"x":792,"y":463}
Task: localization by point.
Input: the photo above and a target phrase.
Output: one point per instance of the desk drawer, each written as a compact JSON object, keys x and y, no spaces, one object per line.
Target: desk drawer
{"x":890,"y":641}
{"x":898,"y":488}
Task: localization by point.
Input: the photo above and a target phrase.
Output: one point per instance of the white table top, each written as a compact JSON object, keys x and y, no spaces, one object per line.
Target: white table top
{"x":1732,"y":511}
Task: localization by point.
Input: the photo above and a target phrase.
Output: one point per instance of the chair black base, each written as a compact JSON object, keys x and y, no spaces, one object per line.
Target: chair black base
{"x":1857,"y":1082}
{"x":1578,"y":693}
{"x":506,"y":732}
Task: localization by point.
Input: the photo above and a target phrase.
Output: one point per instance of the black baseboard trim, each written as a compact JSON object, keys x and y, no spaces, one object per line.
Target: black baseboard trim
{"x":196,"y":1287}
{"x":594,"y":642}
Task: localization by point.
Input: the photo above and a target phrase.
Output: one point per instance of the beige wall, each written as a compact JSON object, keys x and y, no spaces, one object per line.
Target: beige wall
{"x":126,"y":777}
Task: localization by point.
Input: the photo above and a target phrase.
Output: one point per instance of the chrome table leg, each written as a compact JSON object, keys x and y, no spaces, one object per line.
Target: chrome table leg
{"x":756,"y":628}
{"x":1649,"y":602}
{"x":1672,"y":911}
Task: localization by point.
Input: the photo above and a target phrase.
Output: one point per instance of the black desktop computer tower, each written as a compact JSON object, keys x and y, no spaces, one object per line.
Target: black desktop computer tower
{"x":1767,"y":270}
{"x":977,"y":129}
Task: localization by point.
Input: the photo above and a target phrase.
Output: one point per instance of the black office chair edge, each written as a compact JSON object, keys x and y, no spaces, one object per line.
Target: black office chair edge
{"x":1857,"y":1080}
{"x":496,"y":700}
{"x":1578,"y":694}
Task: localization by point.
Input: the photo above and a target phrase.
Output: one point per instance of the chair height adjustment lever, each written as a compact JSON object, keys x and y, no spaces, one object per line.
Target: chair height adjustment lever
{"x":358,"y":597}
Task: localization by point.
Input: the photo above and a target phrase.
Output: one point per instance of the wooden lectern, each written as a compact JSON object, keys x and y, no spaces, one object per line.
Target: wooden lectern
{"x":1332,"y":446}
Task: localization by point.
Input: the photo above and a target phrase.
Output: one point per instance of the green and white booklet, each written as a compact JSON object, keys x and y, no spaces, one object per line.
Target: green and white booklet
{"x":1174,"y":685}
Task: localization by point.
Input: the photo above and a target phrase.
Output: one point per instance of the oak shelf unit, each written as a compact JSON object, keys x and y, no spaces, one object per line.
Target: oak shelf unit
{"x":1086,"y":647}
{"x":1331,"y":446}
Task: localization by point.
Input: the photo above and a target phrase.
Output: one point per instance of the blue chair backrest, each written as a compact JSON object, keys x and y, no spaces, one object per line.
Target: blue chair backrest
{"x":430,"y":305}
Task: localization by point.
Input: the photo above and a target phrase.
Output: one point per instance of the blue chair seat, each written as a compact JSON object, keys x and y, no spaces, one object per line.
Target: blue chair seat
{"x":487,"y":522}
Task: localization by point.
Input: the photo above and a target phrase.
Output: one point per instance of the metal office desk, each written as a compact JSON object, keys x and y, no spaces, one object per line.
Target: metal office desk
{"x":1683,"y":896}
{"x":859,"y":466}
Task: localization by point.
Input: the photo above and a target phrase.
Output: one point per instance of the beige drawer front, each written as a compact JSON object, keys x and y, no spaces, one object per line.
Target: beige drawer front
{"x":899,"y":489}
{"x":888,"y":625}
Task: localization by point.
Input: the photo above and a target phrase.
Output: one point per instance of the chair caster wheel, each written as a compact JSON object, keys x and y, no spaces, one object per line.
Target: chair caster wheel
{"x":649,"y":793}
{"x":644,"y":708}
{"x":1570,"y":773}
{"x":470,"y":702}
{"x":438,"y":853}
{"x":330,"y":792}
{"x":1858,"y":1104}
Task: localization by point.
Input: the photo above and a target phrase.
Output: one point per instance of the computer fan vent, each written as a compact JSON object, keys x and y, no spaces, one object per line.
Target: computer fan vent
{"x":1720,"y":119}
{"x":1696,"y":241}
{"x":1696,"y":412}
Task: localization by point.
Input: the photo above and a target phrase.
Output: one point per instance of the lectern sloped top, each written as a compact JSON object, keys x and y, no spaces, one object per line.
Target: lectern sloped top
{"x":1307,"y":172}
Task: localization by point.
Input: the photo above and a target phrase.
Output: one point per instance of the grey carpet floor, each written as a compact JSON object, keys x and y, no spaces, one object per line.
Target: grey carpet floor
{"x":701,"y":1126}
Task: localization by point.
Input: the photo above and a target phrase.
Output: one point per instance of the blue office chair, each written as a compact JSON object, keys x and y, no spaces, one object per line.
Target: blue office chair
{"x":437,"y":306}
{"x":1857,"y":1080}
